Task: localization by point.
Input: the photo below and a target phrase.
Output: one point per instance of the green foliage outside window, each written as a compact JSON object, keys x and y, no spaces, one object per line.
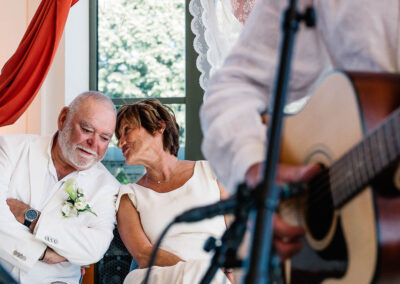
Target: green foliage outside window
{"x":121,"y":176}
{"x":141,"y":48}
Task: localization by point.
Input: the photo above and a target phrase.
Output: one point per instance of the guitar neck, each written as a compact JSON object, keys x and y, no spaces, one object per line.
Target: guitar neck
{"x":356,"y":169}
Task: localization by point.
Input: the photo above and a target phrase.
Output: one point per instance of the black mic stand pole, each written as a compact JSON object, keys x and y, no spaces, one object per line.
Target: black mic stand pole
{"x":267,"y":193}
{"x":226,"y":250}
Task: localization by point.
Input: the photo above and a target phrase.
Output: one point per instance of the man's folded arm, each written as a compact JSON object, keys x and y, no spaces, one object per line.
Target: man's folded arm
{"x":18,"y":246}
{"x":79,"y":243}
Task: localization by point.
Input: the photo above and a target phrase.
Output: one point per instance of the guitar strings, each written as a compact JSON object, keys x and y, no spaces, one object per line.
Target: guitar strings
{"x":341,"y":185}
{"x":322,"y":182}
{"x":322,"y":185}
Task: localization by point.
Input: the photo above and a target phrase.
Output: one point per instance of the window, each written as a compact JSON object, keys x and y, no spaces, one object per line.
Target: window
{"x":141,"y":49}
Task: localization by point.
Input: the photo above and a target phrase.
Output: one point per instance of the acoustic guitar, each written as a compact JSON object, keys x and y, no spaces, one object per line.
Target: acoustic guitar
{"x":351,"y":210}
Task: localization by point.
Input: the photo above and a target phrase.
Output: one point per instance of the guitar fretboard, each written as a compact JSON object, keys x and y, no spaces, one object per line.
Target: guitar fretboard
{"x":355,"y":170}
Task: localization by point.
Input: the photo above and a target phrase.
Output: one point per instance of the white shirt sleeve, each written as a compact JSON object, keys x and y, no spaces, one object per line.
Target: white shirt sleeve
{"x":234,"y":136}
{"x":126,"y":189}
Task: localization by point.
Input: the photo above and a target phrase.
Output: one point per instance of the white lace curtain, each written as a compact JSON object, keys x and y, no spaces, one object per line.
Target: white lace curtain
{"x":216,"y":25}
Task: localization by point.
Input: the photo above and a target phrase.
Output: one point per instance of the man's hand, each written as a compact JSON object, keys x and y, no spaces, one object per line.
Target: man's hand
{"x":18,"y":208}
{"x":229,"y":274}
{"x":287,"y":238}
{"x":51,"y":257}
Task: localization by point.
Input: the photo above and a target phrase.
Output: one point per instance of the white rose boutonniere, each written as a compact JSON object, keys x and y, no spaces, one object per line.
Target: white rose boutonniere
{"x":76,"y":202}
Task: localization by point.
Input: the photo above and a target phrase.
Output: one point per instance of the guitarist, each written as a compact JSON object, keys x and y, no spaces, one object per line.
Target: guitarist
{"x":350,"y":35}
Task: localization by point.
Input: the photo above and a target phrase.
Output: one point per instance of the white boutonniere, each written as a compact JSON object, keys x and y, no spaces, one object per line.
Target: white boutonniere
{"x":76,"y":202}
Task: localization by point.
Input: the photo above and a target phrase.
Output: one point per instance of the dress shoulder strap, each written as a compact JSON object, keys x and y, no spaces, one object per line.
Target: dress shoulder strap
{"x":206,"y":168}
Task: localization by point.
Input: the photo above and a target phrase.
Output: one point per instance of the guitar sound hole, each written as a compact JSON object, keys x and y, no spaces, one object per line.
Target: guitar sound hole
{"x":319,"y":210}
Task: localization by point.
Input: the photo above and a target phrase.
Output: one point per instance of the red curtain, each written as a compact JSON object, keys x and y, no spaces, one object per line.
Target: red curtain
{"x":24,"y":73}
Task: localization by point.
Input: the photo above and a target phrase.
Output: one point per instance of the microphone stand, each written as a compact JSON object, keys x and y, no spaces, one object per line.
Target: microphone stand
{"x":225,"y":250}
{"x":265,"y":196}
{"x":267,"y":193}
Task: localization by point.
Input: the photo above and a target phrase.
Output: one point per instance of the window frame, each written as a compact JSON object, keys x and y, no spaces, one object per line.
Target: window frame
{"x":193,"y":92}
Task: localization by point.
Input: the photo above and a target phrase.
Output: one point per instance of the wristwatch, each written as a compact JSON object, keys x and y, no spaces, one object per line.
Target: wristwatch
{"x":30,"y":216}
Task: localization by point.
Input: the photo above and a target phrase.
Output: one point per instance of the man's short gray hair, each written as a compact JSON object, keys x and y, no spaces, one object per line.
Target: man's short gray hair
{"x":97,"y":96}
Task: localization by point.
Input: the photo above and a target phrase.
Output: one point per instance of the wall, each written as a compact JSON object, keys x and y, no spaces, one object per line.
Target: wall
{"x":69,"y":73}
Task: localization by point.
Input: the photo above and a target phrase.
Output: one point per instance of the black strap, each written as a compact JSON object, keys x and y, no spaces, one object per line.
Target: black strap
{"x":27,"y":223}
{"x":44,"y":254}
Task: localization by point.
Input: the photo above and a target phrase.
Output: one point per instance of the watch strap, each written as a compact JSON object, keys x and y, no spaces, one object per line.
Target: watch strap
{"x":27,"y":223}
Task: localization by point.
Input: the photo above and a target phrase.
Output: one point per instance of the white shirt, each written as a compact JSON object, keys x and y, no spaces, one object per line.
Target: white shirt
{"x":28,"y":174}
{"x":361,"y":35}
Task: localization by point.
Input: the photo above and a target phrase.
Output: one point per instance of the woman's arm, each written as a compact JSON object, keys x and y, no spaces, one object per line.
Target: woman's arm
{"x":135,"y":239}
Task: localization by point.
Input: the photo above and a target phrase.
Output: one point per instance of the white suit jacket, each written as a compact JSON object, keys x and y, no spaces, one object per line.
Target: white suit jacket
{"x":24,"y":162}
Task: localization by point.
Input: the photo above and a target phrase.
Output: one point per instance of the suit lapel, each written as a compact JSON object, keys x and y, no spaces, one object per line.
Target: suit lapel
{"x":58,"y":195}
{"x":57,"y":199}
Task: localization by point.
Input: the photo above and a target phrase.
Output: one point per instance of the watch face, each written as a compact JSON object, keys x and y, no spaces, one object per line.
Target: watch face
{"x":31,"y":215}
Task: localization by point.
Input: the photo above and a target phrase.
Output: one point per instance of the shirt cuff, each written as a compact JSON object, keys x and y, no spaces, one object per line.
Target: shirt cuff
{"x":248,"y":155}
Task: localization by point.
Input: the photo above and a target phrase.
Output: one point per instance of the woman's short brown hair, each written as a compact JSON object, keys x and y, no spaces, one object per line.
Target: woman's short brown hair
{"x":151,"y":114}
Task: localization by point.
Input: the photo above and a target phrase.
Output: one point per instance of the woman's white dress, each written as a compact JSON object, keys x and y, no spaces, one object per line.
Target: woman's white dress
{"x":185,"y":240}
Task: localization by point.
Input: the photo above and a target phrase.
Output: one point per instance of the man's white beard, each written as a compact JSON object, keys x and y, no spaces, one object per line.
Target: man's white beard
{"x":70,"y":152}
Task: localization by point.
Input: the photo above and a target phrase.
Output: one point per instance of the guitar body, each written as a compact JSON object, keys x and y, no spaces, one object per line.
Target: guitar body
{"x":360,"y":241}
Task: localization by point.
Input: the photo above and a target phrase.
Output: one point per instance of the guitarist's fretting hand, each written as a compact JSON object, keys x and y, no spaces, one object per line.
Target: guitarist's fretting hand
{"x":286,"y":237}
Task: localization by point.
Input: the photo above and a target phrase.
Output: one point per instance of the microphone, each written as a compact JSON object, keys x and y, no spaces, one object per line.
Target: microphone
{"x":208,"y":211}
{"x":229,"y":205}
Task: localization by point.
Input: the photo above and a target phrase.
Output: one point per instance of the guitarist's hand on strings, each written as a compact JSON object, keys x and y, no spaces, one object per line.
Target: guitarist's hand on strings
{"x":287,"y":238}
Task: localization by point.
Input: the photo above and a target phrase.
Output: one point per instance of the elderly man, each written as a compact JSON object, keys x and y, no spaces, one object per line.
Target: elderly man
{"x":56,"y":198}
